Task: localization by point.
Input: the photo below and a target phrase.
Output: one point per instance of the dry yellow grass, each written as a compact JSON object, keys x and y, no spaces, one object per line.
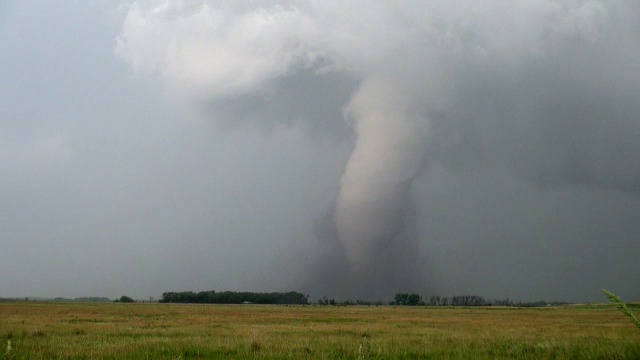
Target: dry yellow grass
{"x":173,"y":331}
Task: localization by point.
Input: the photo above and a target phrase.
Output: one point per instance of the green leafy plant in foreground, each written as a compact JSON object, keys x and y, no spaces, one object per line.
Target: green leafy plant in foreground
{"x":621,"y":306}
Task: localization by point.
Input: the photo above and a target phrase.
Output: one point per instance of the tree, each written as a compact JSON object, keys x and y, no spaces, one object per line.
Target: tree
{"x":125,"y":299}
{"x":401,"y":299}
{"x":407,"y":299}
{"x":413,"y":299}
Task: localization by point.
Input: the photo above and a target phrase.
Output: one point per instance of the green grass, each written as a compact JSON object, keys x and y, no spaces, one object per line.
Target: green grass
{"x":173,"y":331}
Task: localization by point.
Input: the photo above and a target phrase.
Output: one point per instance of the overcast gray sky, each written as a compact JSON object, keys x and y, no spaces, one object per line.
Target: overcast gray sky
{"x":351,"y":149}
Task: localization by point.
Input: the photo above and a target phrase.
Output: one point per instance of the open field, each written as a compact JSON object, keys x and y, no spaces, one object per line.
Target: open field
{"x":172,"y":331}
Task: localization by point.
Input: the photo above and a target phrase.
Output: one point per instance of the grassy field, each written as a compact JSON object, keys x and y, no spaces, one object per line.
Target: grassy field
{"x":171,"y":331}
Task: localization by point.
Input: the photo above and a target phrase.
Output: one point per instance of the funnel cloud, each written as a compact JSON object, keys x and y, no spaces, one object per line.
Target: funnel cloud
{"x":388,"y":155}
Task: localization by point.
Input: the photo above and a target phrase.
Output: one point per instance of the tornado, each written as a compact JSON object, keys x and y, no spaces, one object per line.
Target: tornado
{"x":389,"y":153}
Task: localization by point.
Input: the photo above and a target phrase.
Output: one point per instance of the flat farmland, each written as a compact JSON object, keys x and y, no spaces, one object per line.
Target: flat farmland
{"x":40,"y":330}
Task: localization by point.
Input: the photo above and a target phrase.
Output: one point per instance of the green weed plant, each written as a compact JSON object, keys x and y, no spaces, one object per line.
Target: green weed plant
{"x":621,"y":306}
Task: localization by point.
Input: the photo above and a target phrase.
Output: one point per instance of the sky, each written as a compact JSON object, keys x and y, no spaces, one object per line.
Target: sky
{"x":349,"y":150}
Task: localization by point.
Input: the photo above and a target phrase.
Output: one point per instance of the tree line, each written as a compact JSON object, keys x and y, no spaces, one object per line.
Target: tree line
{"x":233,"y":297}
{"x":436,"y":300}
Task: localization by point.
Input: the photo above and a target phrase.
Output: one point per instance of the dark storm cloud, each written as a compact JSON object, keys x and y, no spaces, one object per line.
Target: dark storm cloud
{"x":571,"y":115}
{"x":538,"y":93}
{"x":317,"y":109}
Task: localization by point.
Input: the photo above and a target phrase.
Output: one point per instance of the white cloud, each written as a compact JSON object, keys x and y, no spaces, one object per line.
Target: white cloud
{"x":203,"y":50}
